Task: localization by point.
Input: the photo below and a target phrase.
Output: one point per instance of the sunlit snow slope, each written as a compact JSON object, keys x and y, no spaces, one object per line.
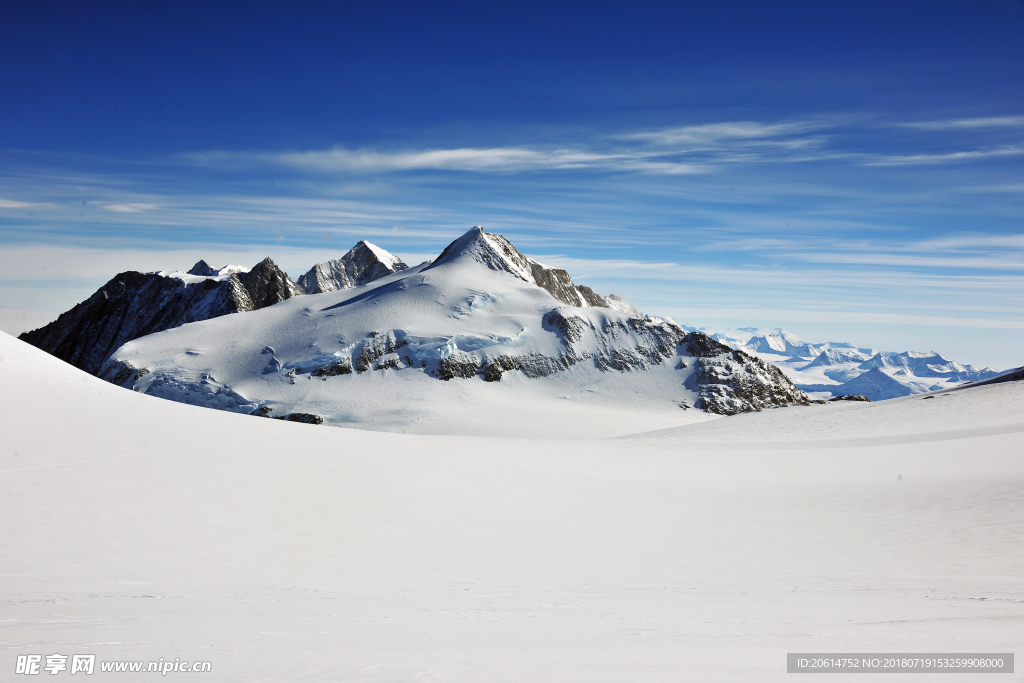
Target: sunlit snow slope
{"x":135,"y":528}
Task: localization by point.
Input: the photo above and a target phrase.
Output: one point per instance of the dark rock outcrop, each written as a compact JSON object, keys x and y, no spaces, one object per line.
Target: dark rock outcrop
{"x":850,"y":397}
{"x":266,"y":284}
{"x":377,"y":347}
{"x":202,"y":268}
{"x":559,"y":285}
{"x":305,"y":418}
{"x":132,"y":305}
{"x":735,"y":382}
{"x":342,"y":366}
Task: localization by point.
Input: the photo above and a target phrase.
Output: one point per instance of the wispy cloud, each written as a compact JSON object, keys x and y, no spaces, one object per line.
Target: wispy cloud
{"x":963,"y":124}
{"x":493,"y":160}
{"x":133,"y":207}
{"x":716,"y":135}
{"x":11,"y":204}
{"x":946,"y":157}
{"x":667,"y":151}
{"x":672,"y":151}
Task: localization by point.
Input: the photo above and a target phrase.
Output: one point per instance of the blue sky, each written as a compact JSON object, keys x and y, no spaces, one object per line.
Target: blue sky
{"x":844,"y":171}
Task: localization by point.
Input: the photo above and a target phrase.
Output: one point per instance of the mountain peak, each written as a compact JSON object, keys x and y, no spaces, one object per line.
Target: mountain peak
{"x":363,"y":263}
{"x":370,"y":252}
{"x":202,"y":268}
{"x":488,"y":249}
{"x":493,"y":251}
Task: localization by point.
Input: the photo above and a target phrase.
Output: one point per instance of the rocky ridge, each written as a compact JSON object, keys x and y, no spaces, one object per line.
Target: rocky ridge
{"x":133,"y":305}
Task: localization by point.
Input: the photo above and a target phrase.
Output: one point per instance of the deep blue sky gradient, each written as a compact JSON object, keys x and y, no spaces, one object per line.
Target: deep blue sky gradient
{"x":845,"y":171}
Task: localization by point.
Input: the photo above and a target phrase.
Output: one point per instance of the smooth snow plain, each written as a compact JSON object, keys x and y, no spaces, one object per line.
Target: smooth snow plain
{"x":135,"y":528}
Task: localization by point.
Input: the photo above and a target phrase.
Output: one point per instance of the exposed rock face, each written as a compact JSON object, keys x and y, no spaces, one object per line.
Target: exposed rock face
{"x":727,"y":381}
{"x":363,"y":263}
{"x":342,"y":366}
{"x":132,"y":305}
{"x":558,"y":283}
{"x":305,"y":418}
{"x":377,"y":347}
{"x":266,"y":284}
{"x":735,"y":382}
{"x":850,"y":397}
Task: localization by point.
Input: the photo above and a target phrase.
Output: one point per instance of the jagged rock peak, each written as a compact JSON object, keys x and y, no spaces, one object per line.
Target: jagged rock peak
{"x":363,"y":263}
{"x":202,"y":268}
{"x":266,"y":284}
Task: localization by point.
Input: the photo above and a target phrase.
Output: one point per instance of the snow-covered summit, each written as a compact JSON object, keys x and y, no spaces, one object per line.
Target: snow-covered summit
{"x":487,"y":249}
{"x":831,"y":357}
{"x":364,"y":263}
{"x":201,"y":272}
{"x":496,"y":253}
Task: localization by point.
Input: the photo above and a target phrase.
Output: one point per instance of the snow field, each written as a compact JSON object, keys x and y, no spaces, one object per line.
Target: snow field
{"x":137,"y":528}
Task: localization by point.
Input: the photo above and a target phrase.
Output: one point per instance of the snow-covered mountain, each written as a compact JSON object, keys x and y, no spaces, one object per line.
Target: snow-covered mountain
{"x":362,"y":264}
{"x":397,"y":352}
{"x":830,"y":369}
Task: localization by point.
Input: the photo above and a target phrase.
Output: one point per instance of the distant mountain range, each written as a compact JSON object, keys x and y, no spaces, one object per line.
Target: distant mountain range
{"x":829,"y":369}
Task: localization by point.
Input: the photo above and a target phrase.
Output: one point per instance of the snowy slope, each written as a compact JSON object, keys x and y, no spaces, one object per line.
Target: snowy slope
{"x":830,"y":369}
{"x":287,"y":552}
{"x":459,"y":340}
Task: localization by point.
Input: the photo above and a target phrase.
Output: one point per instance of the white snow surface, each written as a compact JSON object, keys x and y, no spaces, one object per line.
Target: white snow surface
{"x":137,"y":529}
{"x":474,"y":299}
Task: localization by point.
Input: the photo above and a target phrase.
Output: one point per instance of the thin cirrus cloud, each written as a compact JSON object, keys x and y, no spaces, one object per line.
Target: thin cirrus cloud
{"x":493,"y":159}
{"x":131,"y":207}
{"x":662,"y":151}
{"x":670,"y":151}
{"x":969,"y":155}
{"x":732,"y":134}
{"x":961,"y":124}
{"x":12,"y":204}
